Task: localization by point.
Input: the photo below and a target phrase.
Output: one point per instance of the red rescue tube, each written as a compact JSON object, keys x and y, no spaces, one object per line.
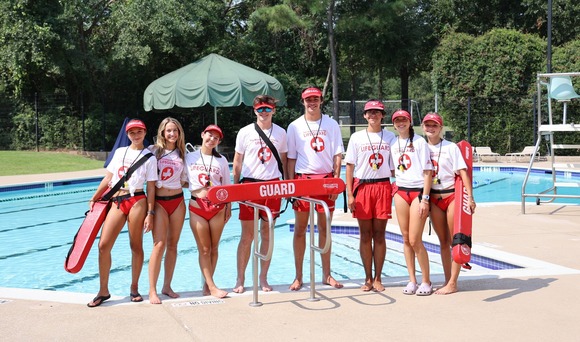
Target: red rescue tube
{"x":463,"y":219}
{"x":275,"y":189}
{"x":83,"y":240}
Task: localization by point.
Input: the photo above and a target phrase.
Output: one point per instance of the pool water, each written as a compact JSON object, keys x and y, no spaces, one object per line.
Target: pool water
{"x":39,"y":222}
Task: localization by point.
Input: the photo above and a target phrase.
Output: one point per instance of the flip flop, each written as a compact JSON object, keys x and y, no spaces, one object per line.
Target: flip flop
{"x":410,"y":289}
{"x":136,"y":297}
{"x":98,"y":300}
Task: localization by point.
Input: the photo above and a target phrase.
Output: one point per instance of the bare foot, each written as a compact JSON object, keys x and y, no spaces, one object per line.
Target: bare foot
{"x":218,"y":293}
{"x":154,"y":298}
{"x":265,"y":286}
{"x":169,"y":292}
{"x":206,"y":291}
{"x":378,"y":285}
{"x":296,"y":285}
{"x":239,"y":288}
{"x":447,"y":289}
{"x":367,"y":287}
{"x":332,"y":282}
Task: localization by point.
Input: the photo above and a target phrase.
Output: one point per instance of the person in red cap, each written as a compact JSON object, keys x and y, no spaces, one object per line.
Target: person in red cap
{"x":169,"y":149}
{"x":255,"y":161}
{"x":369,"y":167}
{"x":205,"y":168}
{"x":314,"y":151}
{"x":411,"y":195}
{"x":130,"y":204}
{"x":447,"y":163}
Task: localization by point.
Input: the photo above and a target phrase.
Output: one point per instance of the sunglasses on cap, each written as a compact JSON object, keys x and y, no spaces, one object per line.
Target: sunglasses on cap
{"x":262,"y":109}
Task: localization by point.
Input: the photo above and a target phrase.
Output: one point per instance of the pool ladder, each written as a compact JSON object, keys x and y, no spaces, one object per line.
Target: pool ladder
{"x":313,"y":248}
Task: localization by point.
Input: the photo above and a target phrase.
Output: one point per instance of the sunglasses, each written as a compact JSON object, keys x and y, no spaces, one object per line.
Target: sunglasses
{"x":262,"y":109}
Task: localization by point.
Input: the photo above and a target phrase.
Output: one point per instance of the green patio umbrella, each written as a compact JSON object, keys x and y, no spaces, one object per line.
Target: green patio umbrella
{"x":213,"y":79}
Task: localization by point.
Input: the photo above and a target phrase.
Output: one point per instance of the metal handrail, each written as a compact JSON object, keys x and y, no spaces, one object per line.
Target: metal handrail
{"x":257,"y":255}
{"x":313,"y":247}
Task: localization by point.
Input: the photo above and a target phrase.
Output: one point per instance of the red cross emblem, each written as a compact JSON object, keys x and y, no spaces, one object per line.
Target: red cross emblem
{"x":376,"y":159}
{"x":317,"y":144}
{"x":264,"y":154}
{"x":166,"y":173}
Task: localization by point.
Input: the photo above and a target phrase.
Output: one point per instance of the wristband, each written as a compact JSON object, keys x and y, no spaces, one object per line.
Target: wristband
{"x":151,"y":212}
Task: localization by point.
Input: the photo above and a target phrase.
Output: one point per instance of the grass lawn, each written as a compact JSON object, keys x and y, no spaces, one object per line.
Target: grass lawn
{"x":30,"y":162}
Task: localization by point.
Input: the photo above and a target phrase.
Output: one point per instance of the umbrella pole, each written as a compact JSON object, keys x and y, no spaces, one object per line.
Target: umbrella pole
{"x":215,"y":115}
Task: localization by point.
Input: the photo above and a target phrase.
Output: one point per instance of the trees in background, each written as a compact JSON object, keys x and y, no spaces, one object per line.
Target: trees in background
{"x":72,"y":64}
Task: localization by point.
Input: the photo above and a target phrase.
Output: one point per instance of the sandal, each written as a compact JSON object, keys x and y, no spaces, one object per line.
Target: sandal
{"x":425,"y":289}
{"x":410,"y":289}
{"x":98,"y":300}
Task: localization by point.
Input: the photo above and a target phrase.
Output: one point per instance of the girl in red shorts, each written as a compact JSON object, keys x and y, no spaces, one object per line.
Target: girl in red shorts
{"x":369,"y":167}
{"x":205,"y":168}
{"x":169,"y":150}
{"x":447,"y":163}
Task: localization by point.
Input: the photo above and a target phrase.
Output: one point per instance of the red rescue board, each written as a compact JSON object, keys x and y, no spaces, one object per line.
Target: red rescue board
{"x":275,"y":189}
{"x":83,"y":240}
{"x":463,"y":220}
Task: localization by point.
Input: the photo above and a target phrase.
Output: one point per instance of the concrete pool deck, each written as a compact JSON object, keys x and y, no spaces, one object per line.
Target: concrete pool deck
{"x":511,"y":305}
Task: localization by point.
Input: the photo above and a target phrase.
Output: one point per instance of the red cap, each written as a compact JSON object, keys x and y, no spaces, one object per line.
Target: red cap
{"x":401,"y":113}
{"x":433,"y":117}
{"x":263,"y":104}
{"x":374,"y":105}
{"x":309,"y":92}
{"x":135,"y":124}
{"x":214,"y":128}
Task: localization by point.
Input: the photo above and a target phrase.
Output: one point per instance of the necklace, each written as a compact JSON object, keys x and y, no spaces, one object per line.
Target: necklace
{"x":168,"y":153}
{"x":436,"y":179}
{"x":125,"y":185}
{"x":401,"y":165}
{"x":375,"y":162}
{"x":207,"y":169}
{"x":318,"y":131}
{"x":261,"y":156}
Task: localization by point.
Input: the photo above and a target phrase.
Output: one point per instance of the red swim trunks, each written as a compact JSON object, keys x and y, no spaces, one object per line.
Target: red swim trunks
{"x":304,"y":206}
{"x":274,"y":204}
{"x":372,"y":200}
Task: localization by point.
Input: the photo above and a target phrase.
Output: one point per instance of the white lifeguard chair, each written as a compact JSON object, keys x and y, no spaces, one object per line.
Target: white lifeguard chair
{"x":559,"y":88}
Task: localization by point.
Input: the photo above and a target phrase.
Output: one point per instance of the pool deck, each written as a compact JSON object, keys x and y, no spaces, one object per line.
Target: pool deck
{"x":506,"y":305}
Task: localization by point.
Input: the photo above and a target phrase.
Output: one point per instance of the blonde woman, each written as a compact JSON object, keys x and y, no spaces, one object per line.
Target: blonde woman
{"x":169,"y":205}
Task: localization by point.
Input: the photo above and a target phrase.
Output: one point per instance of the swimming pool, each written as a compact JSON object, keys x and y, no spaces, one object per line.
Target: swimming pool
{"x":39,"y":221}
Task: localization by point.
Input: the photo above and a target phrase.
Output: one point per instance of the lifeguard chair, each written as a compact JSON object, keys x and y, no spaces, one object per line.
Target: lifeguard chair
{"x":559,"y":88}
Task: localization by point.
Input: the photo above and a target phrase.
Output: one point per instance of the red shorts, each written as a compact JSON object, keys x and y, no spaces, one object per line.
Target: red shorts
{"x":274,"y":204}
{"x":126,"y":202}
{"x":206,"y":209}
{"x":304,"y":206}
{"x":169,"y":203}
{"x":408,"y":194}
{"x":247,"y":212}
{"x":373,"y":200}
{"x":439,"y":201}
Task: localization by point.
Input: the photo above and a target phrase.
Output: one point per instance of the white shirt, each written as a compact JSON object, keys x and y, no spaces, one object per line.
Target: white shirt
{"x":259,"y":161}
{"x":171,"y":170}
{"x":368,"y":148}
{"x":416,"y":160}
{"x":122,"y":160}
{"x":447,"y":161}
{"x":304,"y":137}
{"x":202,"y":168}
